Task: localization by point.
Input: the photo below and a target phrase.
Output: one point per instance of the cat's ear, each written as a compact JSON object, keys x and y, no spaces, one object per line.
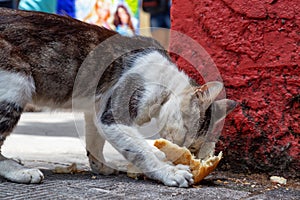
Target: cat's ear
{"x":208,"y":92}
{"x":221,"y":108}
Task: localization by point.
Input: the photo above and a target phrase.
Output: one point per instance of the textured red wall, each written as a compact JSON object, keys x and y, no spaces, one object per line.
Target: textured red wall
{"x":255,"y":45}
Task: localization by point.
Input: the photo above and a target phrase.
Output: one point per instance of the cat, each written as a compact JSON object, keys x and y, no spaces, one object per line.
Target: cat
{"x":125,"y":83}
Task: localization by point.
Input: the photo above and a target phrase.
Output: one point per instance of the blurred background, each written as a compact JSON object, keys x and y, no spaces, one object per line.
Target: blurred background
{"x":128,"y":17}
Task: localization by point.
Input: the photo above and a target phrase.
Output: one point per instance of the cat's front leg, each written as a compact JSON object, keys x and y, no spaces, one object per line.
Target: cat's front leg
{"x":94,"y":147}
{"x":127,"y":140}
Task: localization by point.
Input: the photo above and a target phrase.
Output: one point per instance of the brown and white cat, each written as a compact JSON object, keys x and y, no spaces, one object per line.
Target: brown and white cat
{"x":41,"y":59}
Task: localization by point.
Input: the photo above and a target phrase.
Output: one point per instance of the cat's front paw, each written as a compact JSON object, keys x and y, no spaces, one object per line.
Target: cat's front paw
{"x":100,"y":168}
{"x":175,"y":176}
{"x":178,"y":176}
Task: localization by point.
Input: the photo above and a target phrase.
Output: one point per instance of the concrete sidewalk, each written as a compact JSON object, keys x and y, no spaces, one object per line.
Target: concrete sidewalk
{"x":48,"y":140}
{"x":55,"y":137}
{"x":47,"y":137}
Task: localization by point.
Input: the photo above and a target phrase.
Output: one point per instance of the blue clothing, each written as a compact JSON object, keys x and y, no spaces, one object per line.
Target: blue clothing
{"x":8,"y":3}
{"x":124,"y":30}
{"x":66,"y":7}
{"x":48,"y":6}
{"x":161,"y":20}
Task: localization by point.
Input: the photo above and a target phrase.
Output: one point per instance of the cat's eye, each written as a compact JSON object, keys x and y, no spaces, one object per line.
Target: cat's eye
{"x":192,"y":149}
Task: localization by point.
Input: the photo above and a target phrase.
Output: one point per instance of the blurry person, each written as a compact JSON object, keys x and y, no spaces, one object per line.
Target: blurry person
{"x":160,"y":23}
{"x":122,"y":21}
{"x":100,"y":15}
{"x":161,"y":18}
{"x":66,"y":7}
{"x":8,"y":3}
{"x":48,"y":6}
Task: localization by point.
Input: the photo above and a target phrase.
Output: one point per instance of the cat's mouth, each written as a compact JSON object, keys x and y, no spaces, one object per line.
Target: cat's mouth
{"x":193,"y":150}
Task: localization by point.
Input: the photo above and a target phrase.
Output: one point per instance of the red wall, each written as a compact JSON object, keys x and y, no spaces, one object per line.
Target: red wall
{"x":255,"y":45}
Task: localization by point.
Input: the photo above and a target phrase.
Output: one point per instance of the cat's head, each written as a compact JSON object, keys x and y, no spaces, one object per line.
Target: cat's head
{"x":203,"y":117}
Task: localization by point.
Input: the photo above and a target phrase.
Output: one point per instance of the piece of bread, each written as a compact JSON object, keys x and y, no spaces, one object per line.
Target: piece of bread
{"x":181,"y":155}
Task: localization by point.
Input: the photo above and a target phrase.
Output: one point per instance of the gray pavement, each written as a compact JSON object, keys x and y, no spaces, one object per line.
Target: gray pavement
{"x":49,"y":140}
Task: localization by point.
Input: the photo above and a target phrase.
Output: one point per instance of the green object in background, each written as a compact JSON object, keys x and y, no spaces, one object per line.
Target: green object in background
{"x":134,"y":6}
{"x":48,"y":6}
